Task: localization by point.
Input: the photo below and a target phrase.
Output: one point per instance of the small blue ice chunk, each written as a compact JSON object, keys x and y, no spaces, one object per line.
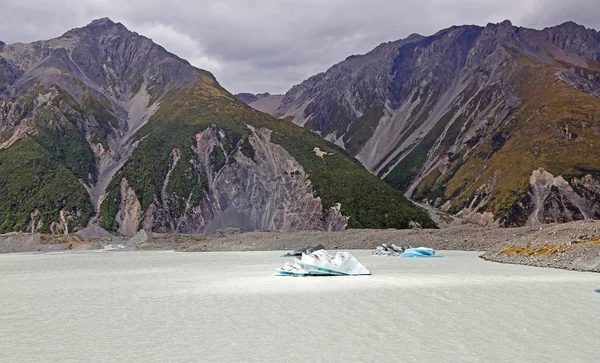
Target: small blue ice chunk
{"x":597,"y":290}
{"x":419,"y":252}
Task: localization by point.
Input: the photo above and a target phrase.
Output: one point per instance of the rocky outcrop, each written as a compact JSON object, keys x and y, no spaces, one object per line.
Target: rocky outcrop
{"x":552,"y":199}
{"x":268,"y":191}
{"x":475,"y":211}
{"x":130,"y":211}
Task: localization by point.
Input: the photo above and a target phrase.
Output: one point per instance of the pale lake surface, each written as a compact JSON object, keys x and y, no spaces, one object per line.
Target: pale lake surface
{"x":227,"y":307}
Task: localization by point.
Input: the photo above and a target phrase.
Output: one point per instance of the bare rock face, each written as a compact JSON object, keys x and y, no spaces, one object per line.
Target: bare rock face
{"x":130,"y":212}
{"x":556,"y":200}
{"x":268,"y":191}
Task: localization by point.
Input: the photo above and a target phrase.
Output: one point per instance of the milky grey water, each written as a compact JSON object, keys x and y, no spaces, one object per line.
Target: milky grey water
{"x":226,"y":307}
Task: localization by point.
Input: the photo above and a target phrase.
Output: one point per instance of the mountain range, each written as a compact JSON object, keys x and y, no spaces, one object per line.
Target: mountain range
{"x":101,"y":127}
{"x":497,"y":124}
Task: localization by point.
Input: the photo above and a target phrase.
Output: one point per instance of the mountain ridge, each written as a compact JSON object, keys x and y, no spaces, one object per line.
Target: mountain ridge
{"x":417,"y":111}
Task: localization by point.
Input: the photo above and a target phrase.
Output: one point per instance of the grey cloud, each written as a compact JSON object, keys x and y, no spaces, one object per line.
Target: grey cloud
{"x":269,"y":45}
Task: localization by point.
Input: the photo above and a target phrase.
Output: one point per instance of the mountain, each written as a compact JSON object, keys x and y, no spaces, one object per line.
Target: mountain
{"x":497,"y":124}
{"x":103,"y":127}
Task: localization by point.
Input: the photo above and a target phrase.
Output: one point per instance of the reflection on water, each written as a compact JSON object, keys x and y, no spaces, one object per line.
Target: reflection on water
{"x":227,"y":307}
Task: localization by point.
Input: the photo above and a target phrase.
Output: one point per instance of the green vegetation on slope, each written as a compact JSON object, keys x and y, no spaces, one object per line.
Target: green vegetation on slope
{"x":60,"y":137}
{"x":42,"y":171}
{"x":109,"y":209}
{"x":31,"y":179}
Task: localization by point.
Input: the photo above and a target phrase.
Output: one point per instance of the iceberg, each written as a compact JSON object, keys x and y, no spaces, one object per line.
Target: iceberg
{"x":419,"y":252}
{"x":393,"y":250}
{"x":307,"y":250}
{"x":405,"y":251}
{"x":321,"y":263}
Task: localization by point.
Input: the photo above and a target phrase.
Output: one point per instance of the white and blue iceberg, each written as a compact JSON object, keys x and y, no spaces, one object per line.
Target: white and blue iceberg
{"x":404,"y":251}
{"x":321,"y":263}
{"x":419,"y":252}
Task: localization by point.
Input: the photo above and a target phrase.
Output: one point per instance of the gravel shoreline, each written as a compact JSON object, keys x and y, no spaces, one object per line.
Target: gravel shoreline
{"x":573,"y":246}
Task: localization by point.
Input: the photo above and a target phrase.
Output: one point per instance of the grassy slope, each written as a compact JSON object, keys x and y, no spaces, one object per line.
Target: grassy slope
{"x":368,"y":201}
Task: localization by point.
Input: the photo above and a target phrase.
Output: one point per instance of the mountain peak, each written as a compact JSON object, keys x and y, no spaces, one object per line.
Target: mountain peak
{"x":502,"y":25}
{"x":572,"y":26}
{"x":98,"y":26}
{"x":569,"y":26}
{"x":101,"y":21}
{"x":414,"y":36}
{"x":570,"y":23}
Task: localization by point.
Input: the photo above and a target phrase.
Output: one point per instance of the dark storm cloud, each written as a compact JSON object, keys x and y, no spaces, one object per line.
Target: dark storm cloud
{"x":269,"y":45}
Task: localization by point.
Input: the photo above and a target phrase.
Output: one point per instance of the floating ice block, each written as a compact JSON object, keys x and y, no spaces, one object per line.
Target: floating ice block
{"x":419,"y":252}
{"x":321,"y":263}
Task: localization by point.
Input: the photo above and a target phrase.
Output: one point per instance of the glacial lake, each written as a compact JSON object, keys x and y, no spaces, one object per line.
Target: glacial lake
{"x":227,"y":307}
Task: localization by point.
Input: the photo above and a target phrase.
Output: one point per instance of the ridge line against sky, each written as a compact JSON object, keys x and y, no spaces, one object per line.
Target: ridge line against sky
{"x":271,"y":45}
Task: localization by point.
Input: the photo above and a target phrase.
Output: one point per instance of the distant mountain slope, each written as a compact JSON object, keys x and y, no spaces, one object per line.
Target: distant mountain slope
{"x":102,"y":126}
{"x":263,"y":102}
{"x":497,"y":123}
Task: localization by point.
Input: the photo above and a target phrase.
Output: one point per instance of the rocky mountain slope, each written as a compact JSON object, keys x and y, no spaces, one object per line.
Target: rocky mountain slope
{"x":499,"y":124}
{"x":103,"y":127}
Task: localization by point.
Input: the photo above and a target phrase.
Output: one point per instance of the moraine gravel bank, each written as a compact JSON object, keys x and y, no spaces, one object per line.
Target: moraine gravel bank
{"x":573,"y":246}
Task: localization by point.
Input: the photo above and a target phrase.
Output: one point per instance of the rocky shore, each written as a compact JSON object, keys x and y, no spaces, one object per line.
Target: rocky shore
{"x":573,"y":246}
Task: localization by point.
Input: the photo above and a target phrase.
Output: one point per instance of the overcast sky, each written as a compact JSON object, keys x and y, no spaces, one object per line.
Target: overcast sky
{"x":270,"y":45}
